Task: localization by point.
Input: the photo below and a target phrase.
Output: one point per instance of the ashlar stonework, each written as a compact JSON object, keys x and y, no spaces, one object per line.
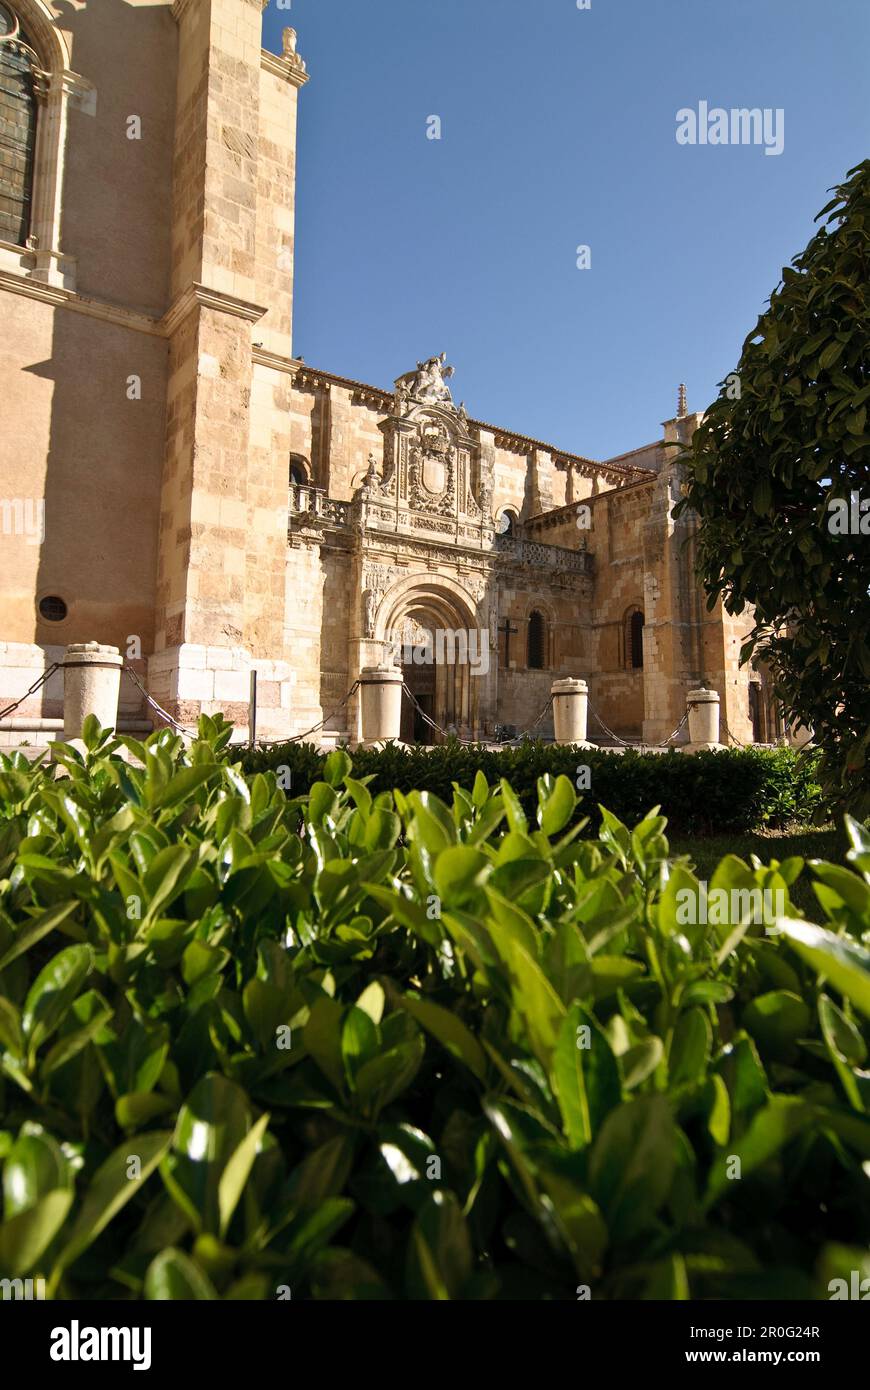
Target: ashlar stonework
{"x":211,"y":505}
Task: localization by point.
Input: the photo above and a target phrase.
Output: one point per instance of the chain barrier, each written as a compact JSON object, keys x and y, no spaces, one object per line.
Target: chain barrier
{"x":49,"y":671}
{"x":468,"y":742}
{"x":517,"y":738}
{"x":733,"y":737}
{"x":261,"y":743}
{"x":296,"y":738}
{"x":597,"y":717}
{"x":149,"y":700}
{"x":638,"y":743}
{"x":427,"y":719}
{"x":682,"y":722}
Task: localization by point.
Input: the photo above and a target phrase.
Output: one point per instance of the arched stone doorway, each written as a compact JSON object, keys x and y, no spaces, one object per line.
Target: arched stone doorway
{"x":432,"y":627}
{"x":418,"y":657}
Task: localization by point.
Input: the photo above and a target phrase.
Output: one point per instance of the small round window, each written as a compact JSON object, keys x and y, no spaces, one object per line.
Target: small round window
{"x":52,"y":609}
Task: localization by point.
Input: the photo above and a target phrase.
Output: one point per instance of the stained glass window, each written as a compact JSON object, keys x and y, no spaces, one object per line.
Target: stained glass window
{"x":17,"y":129}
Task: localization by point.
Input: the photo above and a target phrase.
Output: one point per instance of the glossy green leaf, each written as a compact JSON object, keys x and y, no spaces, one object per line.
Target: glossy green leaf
{"x":632,"y":1165}
{"x":585,"y":1076}
{"x":842,"y":962}
{"x":113,"y":1185}
{"x":53,"y":991}
{"x":172,"y":1275}
{"x":440,"y":1251}
{"x":450,"y":1031}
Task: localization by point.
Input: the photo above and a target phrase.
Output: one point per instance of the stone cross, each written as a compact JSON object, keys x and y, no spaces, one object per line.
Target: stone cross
{"x":508,"y":633}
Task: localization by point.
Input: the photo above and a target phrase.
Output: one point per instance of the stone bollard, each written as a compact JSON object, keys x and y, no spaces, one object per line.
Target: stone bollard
{"x":91,"y":685}
{"x":799,"y":736}
{"x":570,"y":712}
{"x":380,"y":704}
{"x":703,"y":708}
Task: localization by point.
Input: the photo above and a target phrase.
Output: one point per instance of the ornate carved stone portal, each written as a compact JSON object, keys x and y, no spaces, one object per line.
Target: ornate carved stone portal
{"x":433,"y":468}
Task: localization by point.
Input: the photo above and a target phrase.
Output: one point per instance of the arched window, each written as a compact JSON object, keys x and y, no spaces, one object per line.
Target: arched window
{"x":298,"y":469}
{"x":507,"y":523}
{"x":537,"y":641}
{"x":634,"y":639}
{"x":17,"y":129}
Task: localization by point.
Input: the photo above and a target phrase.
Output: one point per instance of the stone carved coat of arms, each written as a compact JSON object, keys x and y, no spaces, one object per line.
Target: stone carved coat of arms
{"x":435,"y":452}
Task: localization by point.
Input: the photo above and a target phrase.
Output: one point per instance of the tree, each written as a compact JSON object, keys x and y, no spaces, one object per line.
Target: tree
{"x":778,"y":475}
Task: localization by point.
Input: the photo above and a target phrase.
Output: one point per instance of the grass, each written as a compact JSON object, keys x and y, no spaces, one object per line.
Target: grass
{"x":809,"y":842}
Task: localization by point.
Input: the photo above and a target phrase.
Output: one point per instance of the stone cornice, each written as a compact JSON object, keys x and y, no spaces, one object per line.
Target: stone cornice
{"x":129,"y":318}
{"x":33,"y":289}
{"x":290,"y":69}
{"x":115,"y":313}
{"x":206,"y":298}
{"x":79,"y":304}
{"x":263,"y":358}
{"x":181,"y":6}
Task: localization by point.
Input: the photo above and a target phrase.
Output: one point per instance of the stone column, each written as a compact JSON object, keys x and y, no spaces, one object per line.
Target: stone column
{"x":570,"y":712}
{"x":91,"y":685}
{"x":381,"y":704}
{"x":703,"y":706}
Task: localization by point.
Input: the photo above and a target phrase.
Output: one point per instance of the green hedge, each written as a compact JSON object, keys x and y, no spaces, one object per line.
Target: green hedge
{"x":348,"y":1047}
{"x":734,"y":789}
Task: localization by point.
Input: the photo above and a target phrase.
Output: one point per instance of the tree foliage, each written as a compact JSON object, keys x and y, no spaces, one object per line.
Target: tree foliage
{"x":787,"y":437}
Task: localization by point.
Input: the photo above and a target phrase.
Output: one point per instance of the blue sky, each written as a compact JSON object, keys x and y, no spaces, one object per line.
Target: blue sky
{"x":558,"y":130}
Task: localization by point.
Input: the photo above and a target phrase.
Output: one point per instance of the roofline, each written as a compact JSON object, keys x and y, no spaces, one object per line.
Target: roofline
{"x":569,"y":509}
{"x":300,"y":368}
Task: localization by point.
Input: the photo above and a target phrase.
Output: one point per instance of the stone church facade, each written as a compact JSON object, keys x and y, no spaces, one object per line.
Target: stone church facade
{"x":175,"y":482}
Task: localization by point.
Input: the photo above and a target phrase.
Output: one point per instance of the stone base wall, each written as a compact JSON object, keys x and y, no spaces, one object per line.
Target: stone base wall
{"x":618,"y":698}
{"x":190,"y":680}
{"x":521,"y":697}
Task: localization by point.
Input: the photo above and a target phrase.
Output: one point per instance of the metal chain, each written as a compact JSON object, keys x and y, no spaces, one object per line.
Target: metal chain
{"x":164,"y":714}
{"x":427,"y":719}
{"x":49,"y":671}
{"x":272,"y":742}
{"x":468,"y":741}
{"x":678,"y":728}
{"x":626,"y":743}
{"x":597,"y":717}
{"x":525,"y":732}
{"x":733,"y":737}
{"x":261,"y":743}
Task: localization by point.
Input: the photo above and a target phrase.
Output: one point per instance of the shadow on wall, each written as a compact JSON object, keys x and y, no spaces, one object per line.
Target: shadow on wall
{"x":101,"y":478}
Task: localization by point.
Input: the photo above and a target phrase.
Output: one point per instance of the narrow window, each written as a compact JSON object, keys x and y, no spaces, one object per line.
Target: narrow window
{"x":537,"y":642}
{"x":634,"y":642}
{"x":298,"y":470}
{"x":17,"y":129}
{"x":756,"y":715}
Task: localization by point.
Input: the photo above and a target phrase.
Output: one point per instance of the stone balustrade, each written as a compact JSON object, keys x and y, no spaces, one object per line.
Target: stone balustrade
{"x":310,"y":506}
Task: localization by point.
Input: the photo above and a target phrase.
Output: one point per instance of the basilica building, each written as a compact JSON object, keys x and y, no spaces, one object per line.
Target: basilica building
{"x":174,"y":481}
